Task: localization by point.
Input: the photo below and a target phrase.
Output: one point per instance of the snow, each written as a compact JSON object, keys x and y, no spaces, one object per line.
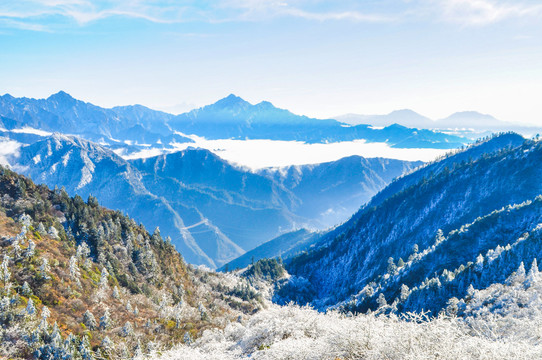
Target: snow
{"x":291,"y":332}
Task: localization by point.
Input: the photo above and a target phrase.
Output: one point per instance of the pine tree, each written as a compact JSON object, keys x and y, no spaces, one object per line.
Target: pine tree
{"x":381,"y":301}
{"x":41,"y":229}
{"x":31,"y":249}
{"x":75,"y":274}
{"x":89,"y":320}
{"x":5,"y":274}
{"x":105,"y":320}
{"x":116,"y":293}
{"x":30,"y":308}
{"x":53,"y":233}
{"x":127,"y":329}
{"x":26,"y":290}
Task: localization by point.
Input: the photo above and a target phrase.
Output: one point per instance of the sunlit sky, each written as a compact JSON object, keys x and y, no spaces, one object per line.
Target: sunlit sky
{"x":315,"y":57}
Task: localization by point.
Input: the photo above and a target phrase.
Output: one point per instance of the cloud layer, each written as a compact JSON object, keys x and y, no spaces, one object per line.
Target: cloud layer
{"x":39,"y":15}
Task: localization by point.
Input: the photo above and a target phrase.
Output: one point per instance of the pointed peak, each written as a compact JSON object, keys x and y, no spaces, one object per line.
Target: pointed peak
{"x":231,"y":101}
{"x":61,"y":96}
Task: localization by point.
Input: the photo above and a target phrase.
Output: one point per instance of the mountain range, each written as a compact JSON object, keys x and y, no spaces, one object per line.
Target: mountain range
{"x":212,"y":210}
{"x":231,"y":117}
{"x":470,"y":124}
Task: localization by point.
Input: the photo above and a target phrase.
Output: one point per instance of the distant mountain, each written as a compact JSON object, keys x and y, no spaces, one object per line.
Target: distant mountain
{"x":424,"y":206}
{"x":61,"y":112}
{"x":472,"y":119}
{"x":405,"y":117}
{"x":330,"y":192}
{"x":233,"y":117}
{"x":283,"y":246}
{"x":469,"y":124}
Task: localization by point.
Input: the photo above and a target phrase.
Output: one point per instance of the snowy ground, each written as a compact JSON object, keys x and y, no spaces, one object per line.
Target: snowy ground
{"x":297,"y":333}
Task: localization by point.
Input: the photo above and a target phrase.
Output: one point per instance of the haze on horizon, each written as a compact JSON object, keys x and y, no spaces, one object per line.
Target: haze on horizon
{"x":314,"y":57}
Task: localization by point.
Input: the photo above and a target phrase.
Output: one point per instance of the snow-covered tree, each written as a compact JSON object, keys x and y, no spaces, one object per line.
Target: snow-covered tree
{"x":381,"y":301}
{"x":30,"y":308}
{"x":116,"y":293}
{"x":105,"y":320}
{"x":53,"y":233}
{"x":127,"y":329}
{"x":26,"y":290}
{"x":89,"y":320}
{"x":41,"y":229}
{"x":31,"y":249}
{"x":75,"y":274}
{"x":5,"y":274}
{"x":44,"y":268}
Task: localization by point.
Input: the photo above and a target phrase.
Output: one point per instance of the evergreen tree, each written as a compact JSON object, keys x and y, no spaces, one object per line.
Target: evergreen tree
{"x":30,"y":308}
{"x":105,"y":320}
{"x":89,"y":320}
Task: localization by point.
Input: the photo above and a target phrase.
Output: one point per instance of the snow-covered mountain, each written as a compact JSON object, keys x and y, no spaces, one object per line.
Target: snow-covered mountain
{"x":212,"y":210}
{"x":429,"y":209}
{"x":231,"y":117}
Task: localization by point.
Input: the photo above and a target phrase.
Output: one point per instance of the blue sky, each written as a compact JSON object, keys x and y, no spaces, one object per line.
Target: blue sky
{"x":315,"y":57}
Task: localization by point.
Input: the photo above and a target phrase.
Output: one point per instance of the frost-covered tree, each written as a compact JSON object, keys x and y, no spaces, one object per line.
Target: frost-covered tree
{"x":381,"y":301}
{"x":26,"y":220}
{"x":45,"y":313}
{"x":83,"y":251}
{"x":107,"y":345}
{"x":405,"y":291}
{"x":392,"y":268}
{"x":41,"y":229}
{"x":85,"y":349}
{"x":5,"y":274}
{"x":129,"y":306}
{"x":75,"y":274}
{"x":116,"y":293}
{"x":44,"y":269}
{"x":105,"y":320}
{"x":187,"y":339}
{"x":31,"y":249}
{"x":533,"y":275}
{"x":30,"y":308}
{"x":26,"y":290}
{"x":127,"y":329}
{"x":89,"y":320}
{"x":16,"y":247}
{"x":104,"y":278}
{"x":53,"y":233}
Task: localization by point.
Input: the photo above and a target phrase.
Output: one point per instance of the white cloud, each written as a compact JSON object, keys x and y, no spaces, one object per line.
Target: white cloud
{"x":85,"y":11}
{"x":484,"y":12}
{"x":8,"y":148}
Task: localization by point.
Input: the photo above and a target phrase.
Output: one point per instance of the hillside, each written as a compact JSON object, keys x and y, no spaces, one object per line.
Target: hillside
{"x":79,"y":280}
{"x":354,"y":258}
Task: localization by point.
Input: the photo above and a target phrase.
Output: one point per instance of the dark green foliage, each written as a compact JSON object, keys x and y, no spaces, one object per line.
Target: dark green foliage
{"x":267,"y":269}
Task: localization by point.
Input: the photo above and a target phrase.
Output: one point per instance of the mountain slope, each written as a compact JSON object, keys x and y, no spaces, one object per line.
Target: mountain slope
{"x":357,"y":253}
{"x":330,"y":192}
{"x":81,"y":281}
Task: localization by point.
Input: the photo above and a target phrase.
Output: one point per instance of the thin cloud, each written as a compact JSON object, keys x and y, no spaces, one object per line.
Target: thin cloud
{"x":83,"y":12}
{"x":485,"y":12}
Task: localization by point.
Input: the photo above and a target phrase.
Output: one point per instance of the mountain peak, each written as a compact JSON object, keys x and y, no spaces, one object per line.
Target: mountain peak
{"x":61,"y":96}
{"x":231,"y":101}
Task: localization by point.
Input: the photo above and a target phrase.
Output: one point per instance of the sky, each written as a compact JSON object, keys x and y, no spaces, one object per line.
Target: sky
{"x":319,"y":58}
